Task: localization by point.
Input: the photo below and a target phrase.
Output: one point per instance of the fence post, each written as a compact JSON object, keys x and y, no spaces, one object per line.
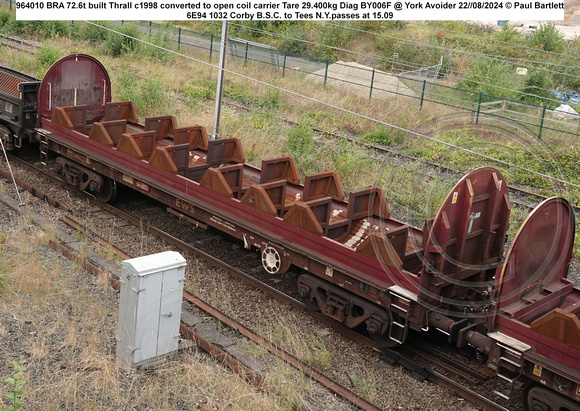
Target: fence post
{"x":179,"y":39}
{"x":542,"y":123}
{"x":150,"y":23}
{"x":10,"y":4}
{"x":246,"y":57}
{"x":564,"y":76}
{"x":326,"y":72}
{"x":372,"y":81}
{"x":478,"y":107}
{"x":422,"y":94}
{"x":284,"y":66}
{"x":210,"y":46}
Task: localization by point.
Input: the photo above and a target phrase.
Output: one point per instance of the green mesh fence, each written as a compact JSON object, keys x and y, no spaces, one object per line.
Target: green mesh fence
{"x":534,"y":120}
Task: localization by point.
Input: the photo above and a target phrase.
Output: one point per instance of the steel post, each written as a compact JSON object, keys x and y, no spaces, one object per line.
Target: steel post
{"x":422,"y":94}
{"x":326,"y":72}
{"x":372,"y":81}
{"x":284,"y":66}
{"x":542,"y":122}
{"x":179,"y":39}
{"x":220,"y":80}
{"x":478,"y":108}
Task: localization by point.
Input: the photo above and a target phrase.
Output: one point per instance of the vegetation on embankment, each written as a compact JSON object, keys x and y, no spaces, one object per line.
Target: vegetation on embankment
{"x":164,"y":83}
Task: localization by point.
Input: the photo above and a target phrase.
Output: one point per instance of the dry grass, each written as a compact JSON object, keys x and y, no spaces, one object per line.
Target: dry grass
{"x":64,"y":323}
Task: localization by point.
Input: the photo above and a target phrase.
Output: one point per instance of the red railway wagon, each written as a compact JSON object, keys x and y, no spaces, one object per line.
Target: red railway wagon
{"x":363,"y":267}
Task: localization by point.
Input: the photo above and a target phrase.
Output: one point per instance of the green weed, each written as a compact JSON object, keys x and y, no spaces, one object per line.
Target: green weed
{"x":384,"y":136}
{"x":150,"y":95}
{"x":161,"y":41}
{"x":16,"y":383}
{"x":45,"y":58}
{"x":197,"y":91}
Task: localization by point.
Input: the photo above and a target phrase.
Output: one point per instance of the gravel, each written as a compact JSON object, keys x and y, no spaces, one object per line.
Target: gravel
{"x":354,"y":366}
{"x":357,"y":79}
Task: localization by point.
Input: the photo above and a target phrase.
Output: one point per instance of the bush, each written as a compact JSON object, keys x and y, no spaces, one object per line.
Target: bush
{"x":536,"y":83}
{"x":239,"y":92}
{"x":45,"y":58}
{"x":333,"y":36}
{"x":94,"y":34}
{"x":548,"y":37}
{"x":5,"y":17}
{"x":161,"y":40}
{"x":508,"y":33}
{"x":490,"y":77}
{"x":125,"y":41}
{"x":41,"y":29}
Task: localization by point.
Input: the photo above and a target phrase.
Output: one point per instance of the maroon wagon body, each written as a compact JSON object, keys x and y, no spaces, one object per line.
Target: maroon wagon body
{"x":504,"y":306}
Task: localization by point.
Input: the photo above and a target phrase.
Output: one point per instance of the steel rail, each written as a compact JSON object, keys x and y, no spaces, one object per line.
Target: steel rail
{"x":384,"y":149}
{"x":316,"y":375}
{"x":216,"y":352}
{"x":407,"y":363}
{"x":18,"y":44}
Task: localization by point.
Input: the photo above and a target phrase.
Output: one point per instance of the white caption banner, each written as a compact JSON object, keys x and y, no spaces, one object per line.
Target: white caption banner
{"x":289,"y":10}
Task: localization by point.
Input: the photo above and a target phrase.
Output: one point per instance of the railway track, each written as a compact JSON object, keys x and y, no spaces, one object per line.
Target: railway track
{"x":416,"y":369}
{"x":519,"y":194}
{"x":19,"y":44}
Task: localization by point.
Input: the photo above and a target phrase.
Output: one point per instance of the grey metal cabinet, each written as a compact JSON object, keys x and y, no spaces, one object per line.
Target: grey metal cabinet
{"x":150,"y":307}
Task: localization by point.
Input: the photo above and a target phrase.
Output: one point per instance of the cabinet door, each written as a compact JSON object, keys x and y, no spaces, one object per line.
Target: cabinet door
{"x":148,"y":311}
{"x":170,"y":313}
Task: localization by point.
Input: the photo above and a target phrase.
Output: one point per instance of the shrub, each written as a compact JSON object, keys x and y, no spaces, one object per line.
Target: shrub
{"x":5,"y":17}
{"x":161,"y":40}
{"x":95,"y":34}
{"x":16,"y":382}
{"x":536,"y":83}
{"x":45,"y":58}
{"x":490,"y":77}
{"x":125,"y":41}
{"x":238,"y":92}
{"x":508,"y":33}
{"x":548,"y":37}
{"x":270,"y":100}
{"x":41,"y":29}
{"x":333,"y":36}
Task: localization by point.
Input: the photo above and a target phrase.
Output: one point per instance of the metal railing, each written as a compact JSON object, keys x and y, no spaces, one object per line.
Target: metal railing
{"x":414,"y":85}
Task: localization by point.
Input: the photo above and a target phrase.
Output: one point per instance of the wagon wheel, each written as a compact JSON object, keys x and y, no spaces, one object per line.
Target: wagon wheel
{"x":383,"y":340}
{"x":304,"y":295}
{"x":273,"y":261}
{"x":108,"y":191}
{"x":6,"y":138}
